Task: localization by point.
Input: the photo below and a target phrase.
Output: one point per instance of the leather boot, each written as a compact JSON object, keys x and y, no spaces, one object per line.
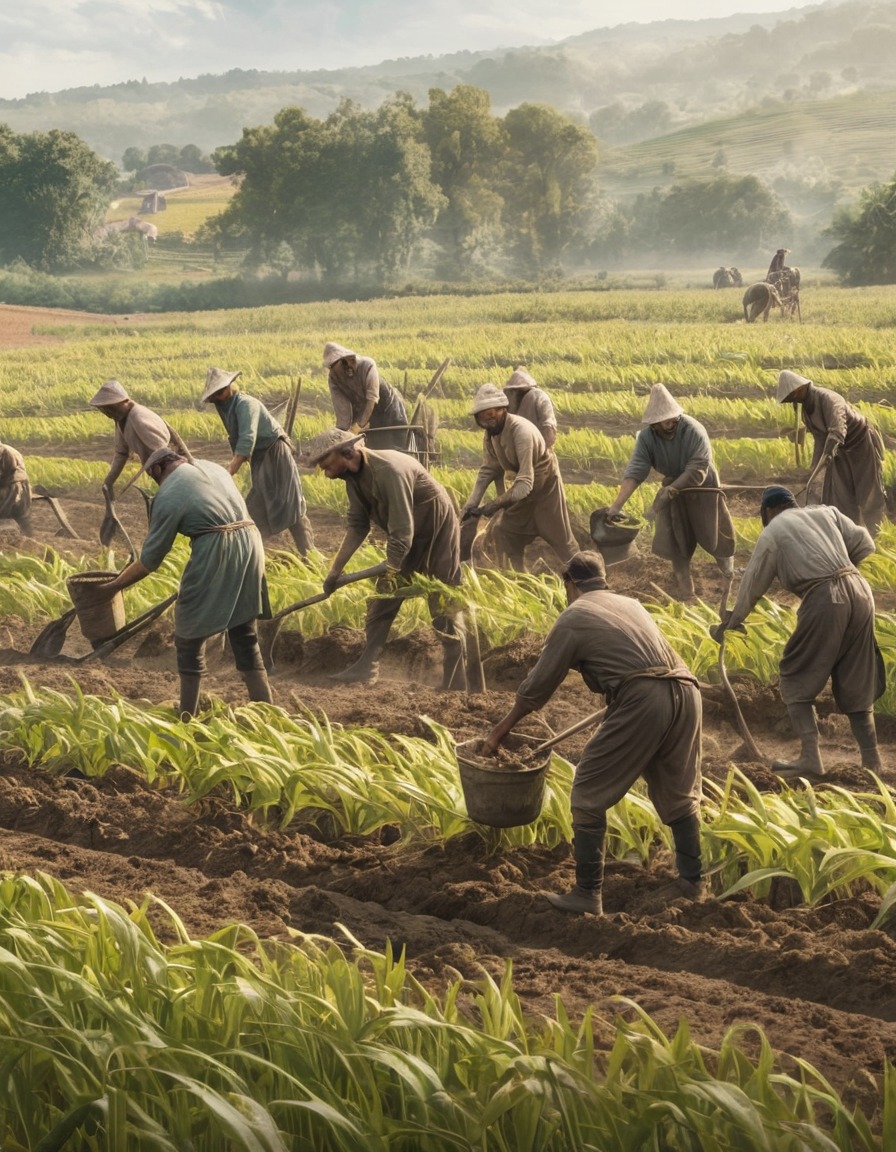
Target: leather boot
{"x":258,"y":685}
{"x":189,"y":694}
{"x":686,"y":837}
{"x":802,"y":720}
{"x":303,"y":536}
{"x":366,"y":669}
{"x":588,"y":846}
{"x":862,"y":725}
{"x":683,"y":586}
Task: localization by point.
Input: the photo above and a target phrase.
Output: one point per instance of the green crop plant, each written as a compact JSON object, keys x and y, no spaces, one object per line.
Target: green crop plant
{"x":115,"y":1040}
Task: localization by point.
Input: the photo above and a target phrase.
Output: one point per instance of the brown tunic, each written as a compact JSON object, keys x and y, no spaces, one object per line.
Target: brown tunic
{"x":853,"y":480}
{"x":360,"y":397}
{"x":142,"y":431}
{"x":654,"y":722}
{"x":15,"y":489}
{"x":535,"y":504}
{"x":534,"y":405}
{"x":813,"y":552}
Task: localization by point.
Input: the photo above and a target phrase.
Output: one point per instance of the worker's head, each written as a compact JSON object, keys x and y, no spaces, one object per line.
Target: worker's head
{"x":218,"y":386}
{"x":520,"y":381}
{"x":775,"y":500}
{"x":336,"y":452}
{"x":334,"y":353}
{"x":112,"y":400}
{"x":663,"y":412}
{"x":792,"y":387}
{"x":583,"y":572}
{"x":160,"y":463}
{"x":489,"y":409}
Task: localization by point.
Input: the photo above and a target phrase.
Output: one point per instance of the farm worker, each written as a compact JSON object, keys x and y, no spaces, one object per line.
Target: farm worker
{"x":15,"y":489}
{"x":690,"y":508}
{"x":535,"y":504}
{"x":813,"y":553}
{"x":777,"y":264}
{"x":526,"y":399}
{"x":138,"y":430}
{"x":223,"y":586}
{"x":652,"y":727}
{"x":851,"y":448}
{"x":394,"y":491}
{"x":275,"y":501}
{"x":362,"y":400}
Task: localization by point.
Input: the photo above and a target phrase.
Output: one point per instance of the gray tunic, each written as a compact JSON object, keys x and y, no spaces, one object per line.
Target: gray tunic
{"x":853,"y":480}
{"x":142,"y":431}
{"x":692,"y":518}
{"x":275,"y":501}
{"x":654,"y":721}
{"x":813,"y":552}
{"x":535,"y":504}
{"x":360,"y":397}
{"x":223,"y":582}
{"x":534,"y":405}
{"x":15,"y":489}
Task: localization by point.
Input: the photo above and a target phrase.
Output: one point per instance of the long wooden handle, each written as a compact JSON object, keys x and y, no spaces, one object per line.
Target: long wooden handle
{"x":594,"y":718}
{"x":352,"y":578}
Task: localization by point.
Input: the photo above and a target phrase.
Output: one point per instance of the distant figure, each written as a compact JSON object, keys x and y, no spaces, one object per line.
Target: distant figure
{"x":758,"y":301}
{"x":777,"y":263}
{"x":526,"y":399}
{"x":363,"y":402}
{"x":727,"y":278}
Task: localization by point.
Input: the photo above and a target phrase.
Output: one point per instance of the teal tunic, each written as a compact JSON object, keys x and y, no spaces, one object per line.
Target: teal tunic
{"x":275,"y":501}
{"x":223,"y":583}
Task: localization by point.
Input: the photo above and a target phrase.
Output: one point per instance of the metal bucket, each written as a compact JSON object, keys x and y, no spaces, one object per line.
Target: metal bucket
{"x":100,"y":614}
{"x":498,"y":796}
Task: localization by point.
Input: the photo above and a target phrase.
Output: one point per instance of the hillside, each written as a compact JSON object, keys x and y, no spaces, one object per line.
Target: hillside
{"x":697,"y":71}
{"x":811,"y":152}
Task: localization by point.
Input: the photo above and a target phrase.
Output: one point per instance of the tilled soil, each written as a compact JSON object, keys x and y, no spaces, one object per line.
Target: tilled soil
{"x":818,"y":981}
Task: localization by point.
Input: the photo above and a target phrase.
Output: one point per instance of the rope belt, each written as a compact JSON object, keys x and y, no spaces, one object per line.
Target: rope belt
{"x":658,"y":672}
{"x":813,"y":584}
{"x":234,"y":526}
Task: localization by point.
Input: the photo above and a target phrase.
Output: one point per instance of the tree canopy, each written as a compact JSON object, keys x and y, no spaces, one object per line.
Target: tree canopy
{"x":866,"y":253}
{"x":54,"y":191}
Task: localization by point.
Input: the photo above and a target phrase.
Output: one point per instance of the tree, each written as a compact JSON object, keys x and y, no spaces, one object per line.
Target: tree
{"x":133,"y":160}
{"x":736,"y":214}
{"x":466,"y":143}
{"x":163,"y":154}
{"x":54,"y":191}
{"x":866,"y":253}
{"x":351,"y":195}
{"x":548,"y":181}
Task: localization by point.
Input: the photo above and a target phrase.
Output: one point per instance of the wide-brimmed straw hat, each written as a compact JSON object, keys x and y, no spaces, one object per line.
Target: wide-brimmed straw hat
{"x":615,"y":541}
{"x":661,"y":405}
{"x":520,"y":379}
{"x":215,"y":380}
{"x":321,"y":445}
{"x":488,"y":396}
{"x":334,"y":353}
{"x":788,"y":382}
{"x":111,"y":393}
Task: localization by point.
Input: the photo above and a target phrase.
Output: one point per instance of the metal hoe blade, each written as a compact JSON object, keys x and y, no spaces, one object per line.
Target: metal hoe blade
{"x":48,"y":644}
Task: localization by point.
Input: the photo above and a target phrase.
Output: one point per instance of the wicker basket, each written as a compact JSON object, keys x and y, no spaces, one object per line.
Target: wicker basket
{"x":100,"y":613}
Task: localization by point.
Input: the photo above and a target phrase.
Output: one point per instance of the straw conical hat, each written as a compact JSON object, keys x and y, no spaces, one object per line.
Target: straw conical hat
{"x":215,"y":380}
{"x":488,"y":396}
{"x":324,"y":443}
{"x":788,"y":382}
{"x":111,"y":393}
{"x":661,"y":406}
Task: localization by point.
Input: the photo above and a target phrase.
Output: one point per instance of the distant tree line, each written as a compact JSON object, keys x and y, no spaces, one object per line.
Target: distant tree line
{"x":189,"y":158}
{"x":866,"y":235}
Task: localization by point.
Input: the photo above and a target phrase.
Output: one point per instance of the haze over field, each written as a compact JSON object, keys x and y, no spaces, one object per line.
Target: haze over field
{"x":48,"y":45}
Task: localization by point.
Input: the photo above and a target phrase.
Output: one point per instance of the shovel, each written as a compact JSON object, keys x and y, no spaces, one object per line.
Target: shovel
{"x":39,"y":493}
{"x":48,"y":643}
{"x":111,"y":524}
{"x":269,"y":630}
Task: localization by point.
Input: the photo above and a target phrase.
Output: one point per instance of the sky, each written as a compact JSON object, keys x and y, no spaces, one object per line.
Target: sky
{"x":48,"y":45}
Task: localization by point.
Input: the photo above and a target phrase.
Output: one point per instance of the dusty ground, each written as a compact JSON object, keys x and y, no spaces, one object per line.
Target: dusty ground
{"x":819,"y":982}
